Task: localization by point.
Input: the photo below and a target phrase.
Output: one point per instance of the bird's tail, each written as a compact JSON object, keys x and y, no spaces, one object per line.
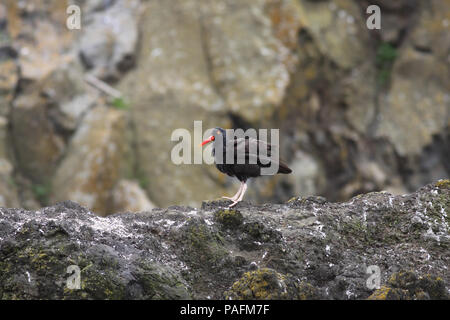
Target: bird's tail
{"x":283,"y":168}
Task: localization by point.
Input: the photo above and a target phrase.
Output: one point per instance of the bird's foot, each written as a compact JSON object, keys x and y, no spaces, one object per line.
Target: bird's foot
{"x":233,"y":204}
{"x":230,"y":198}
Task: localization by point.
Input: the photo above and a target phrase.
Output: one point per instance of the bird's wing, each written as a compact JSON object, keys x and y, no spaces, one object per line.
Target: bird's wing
{"x":251,"y":150}
{"x":249,"y":146}
{"x":248,"y":150}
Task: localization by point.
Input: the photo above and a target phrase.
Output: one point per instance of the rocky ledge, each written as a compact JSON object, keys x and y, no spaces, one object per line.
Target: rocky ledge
{"x":307,"y":248}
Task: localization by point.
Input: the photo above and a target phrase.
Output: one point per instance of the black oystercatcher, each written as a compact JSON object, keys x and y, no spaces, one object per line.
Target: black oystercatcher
{"x":250,"y":156}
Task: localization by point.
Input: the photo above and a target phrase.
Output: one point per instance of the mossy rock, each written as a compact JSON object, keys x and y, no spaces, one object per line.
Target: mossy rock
{"x":99,"y":285}
{"x":443,"y":184}
{"x":267,"y":284}
{"x":257,"y":231}
{"x":403,"y":279}
{"x":406,"y":285}
{"x":229,"y":218}
{"x":161,"y":283}
{"x":387,"y":293}
{"x":434,"y":287}
{"x":205,"y":246}
{"x":307,"y":291}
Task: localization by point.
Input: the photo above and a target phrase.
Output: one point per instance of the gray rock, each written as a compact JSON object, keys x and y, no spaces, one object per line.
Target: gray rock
{"x":93,"y":162}
{"x":304,"y":249}
{"x":128,"y":196}
{"x":338,"y":29}
{"x":70,"y":95}
{"x":419,"y":105}
{"x":110,"y":38}
{"x":36,"y":142}
{"x":249,"y":56}
{"x":307,"y":177}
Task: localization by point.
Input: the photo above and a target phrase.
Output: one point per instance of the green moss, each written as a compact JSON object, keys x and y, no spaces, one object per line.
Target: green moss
{"x":355,"y":230}
{"x":105,"y":283}
{"x":307,"y":291}
{"x":46,"y":264}
{"x":443,"y":184}
{"x":205,"y":246}
{"x":386,"y":53}
{"x":262,"y":284}
{"x":101,"y":285}
{"x":40,"y":260}
{"x":387,"y":231}
{"x":267,"y":284}
{"x":296,"y":201}
{"x":406,"y":285}
{"x":433,"y":286}
{"x":198,"y":235}
{"x":355,"y":226}
{"x":387,"y":293}
{"x":40,"y":263}
{"x":403,"y":279}
{"x":229,"y":218}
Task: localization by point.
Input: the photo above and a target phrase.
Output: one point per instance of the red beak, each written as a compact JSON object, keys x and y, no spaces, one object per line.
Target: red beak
{"x":208,"y":140}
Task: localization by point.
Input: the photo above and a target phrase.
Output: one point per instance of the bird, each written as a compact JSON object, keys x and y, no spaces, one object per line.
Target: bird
{"x":250,"y":156}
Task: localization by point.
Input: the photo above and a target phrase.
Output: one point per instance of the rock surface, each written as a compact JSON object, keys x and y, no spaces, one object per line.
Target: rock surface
{"x":108,"y":45}
{"x":128,"y":196}
{"x":306,"y":248}
{"x":96,"y":154}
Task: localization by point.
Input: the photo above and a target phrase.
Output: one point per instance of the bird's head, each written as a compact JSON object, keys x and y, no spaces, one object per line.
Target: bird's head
{"x":216,"y":134}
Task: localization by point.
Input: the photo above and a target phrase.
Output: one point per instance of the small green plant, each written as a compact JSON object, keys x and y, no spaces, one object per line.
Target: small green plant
{"x":41,"y":192}
{"x":143,"y":181}
{"x":120,"y":103}
{"x":386,"y":55}
{"x":12,"y":182}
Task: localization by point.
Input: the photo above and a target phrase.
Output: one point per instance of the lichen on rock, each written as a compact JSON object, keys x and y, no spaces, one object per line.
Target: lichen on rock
{"x":406,"y":285}
{"x":267,"y":284}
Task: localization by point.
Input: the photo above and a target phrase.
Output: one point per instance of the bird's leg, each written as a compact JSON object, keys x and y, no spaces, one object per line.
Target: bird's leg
{"x":238,"y":193}
{"x":241,"y":196}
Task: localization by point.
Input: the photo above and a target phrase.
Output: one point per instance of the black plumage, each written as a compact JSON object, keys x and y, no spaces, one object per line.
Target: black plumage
{"x":247,"y":157}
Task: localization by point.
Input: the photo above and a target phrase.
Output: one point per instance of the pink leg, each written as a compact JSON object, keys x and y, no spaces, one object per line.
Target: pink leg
{"x":241,"y":196}
{"x":238,"y":193}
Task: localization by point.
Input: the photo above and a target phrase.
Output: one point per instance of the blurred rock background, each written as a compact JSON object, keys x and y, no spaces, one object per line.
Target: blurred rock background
{"x":358,"y":110}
